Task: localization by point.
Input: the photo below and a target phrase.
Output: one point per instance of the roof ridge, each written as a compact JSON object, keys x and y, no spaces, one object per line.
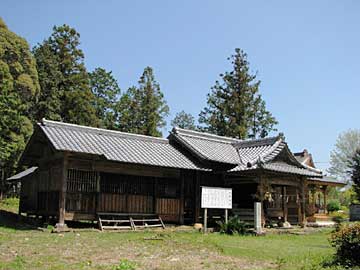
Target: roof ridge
{"x":45,"y":122}
{"x":262,"y":141}
{"x":276,"y":144}
{"x":204,"y":135}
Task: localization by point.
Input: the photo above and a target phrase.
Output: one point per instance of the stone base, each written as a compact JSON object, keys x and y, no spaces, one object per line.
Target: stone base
{"x":285,"y":224}
{"x":60,"y":228}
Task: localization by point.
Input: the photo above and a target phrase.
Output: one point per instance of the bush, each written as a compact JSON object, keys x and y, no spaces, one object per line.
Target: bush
{"x":233,"y":226}
{"x":333,"y":206}
{"x":346,"y":240}
{"x":339,"y":216}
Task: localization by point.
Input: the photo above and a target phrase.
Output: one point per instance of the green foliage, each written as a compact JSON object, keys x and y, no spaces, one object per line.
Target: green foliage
{"x":106,"y":91}
{"x":233,"y":226}
{"x":355,"y":173}
{"x":346,"y":240}
{"x":184,"y":120}
{"x":342,"y":156}
{"x":333,"y":205}
{"x":143,"y":109}
{"x":19,"y":89}
{"x":64,"y":80}
{"x":125,"y":265}
{"x":10,"y":205}
{"x":234,"y":107}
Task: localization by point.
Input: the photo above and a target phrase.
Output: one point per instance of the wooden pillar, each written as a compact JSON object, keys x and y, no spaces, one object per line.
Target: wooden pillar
{"x":313,"y":191}
{"x":302,"y":201}
{"x":182,"y":201}
{"x":97,"y":198}
{"x":285,"y":206}
{"x":261,"y":192}
{"x":197,"y":197}
{"x":62,"y":193}
{"x":325,"y":199}
{"x":155,"y":195}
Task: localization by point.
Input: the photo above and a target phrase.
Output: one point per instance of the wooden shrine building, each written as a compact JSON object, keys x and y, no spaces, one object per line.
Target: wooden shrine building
{"x":83,"y":171}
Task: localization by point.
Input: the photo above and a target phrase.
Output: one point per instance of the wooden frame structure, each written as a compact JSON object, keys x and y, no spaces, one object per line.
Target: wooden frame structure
{"x":84,"y":171}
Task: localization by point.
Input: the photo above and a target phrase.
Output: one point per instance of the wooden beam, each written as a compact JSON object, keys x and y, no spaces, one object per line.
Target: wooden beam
{"x":62,"y":193}
{"x":302,"y":201}
{"x":285,"y":206}
{"x":182,"y":201}
{"x":325,"y":199}
{"x":155,"y":195}
{"x":197,"y":197}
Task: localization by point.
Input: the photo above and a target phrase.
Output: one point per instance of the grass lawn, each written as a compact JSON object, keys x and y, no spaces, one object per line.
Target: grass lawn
{"x":30,"y":248}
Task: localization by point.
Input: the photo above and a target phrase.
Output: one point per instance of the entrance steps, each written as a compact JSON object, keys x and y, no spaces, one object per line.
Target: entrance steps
{"x":120,"y":221}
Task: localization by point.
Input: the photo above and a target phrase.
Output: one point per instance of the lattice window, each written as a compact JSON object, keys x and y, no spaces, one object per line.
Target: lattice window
{"x":168,"y":188}
{"x":126,"y":184}
{"x":81,"y":181}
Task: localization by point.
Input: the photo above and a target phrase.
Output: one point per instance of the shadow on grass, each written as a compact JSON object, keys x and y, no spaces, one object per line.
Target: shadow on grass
{"x":14,"y":221}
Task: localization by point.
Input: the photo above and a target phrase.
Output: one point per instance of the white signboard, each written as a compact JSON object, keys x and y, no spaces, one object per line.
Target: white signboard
{"x":215,"y":197}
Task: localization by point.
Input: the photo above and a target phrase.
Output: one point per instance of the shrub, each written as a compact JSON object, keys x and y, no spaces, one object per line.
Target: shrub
{"x":333,"y":206}
{"x":339,"y":216}
{"x":346,"y":240}
{"x":233,"y":226}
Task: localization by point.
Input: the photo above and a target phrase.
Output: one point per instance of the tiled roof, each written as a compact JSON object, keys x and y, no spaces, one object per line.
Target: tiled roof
{"x":245,"y":154}
{"x":208,"y":146}
{"x":329,"y":179}
{"x":115,"y":145}
{"x":139,"y":149}
{"x":287,"y":168}
{"x":263,"y":150}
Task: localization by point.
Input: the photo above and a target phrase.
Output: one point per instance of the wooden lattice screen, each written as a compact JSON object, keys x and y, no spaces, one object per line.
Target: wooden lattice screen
{"x":82,"y":181}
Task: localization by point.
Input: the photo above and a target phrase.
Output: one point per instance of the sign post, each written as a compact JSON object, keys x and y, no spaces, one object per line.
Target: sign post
{"x":215,"y":198}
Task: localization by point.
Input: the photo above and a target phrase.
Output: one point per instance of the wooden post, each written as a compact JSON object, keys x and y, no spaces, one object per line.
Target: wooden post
{"x":205,"y":220}
{"x":261,"y":193}
{"x":197,"y":197}
{"x":285,"y":206}
{"x":226,"y":216}
{"x":155,"y":195}
{"x":182,"y":201}
{"x":303,"y":201}
{"x":97,"y":198}
{"x":61,"y":226}
{"x":325,"y":199}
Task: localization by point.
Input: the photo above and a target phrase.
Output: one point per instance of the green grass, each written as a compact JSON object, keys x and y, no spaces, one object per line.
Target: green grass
{"x":10,"y":205}
{"x":26,"y":247}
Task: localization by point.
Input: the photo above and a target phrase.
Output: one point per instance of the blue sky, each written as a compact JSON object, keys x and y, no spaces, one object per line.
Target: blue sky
{"x":306,"y":53}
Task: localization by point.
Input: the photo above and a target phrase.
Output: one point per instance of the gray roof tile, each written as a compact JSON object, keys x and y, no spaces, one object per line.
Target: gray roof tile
{"x":116,"y":146}
{"x":245,"y":154}
{"x":208,"y":146}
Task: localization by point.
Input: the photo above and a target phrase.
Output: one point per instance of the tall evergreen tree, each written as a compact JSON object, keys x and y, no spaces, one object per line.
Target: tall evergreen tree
{"x":153,"y":105}
{"x":184,"y":120}
{"x":63,"y":77}
{"x":106,"y":91}
{"x":19,"y":88}
{"x":143,"y":109}
{"x":234,"y":107}
{"x":129,"y":111}
{"x":355,"y":173}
